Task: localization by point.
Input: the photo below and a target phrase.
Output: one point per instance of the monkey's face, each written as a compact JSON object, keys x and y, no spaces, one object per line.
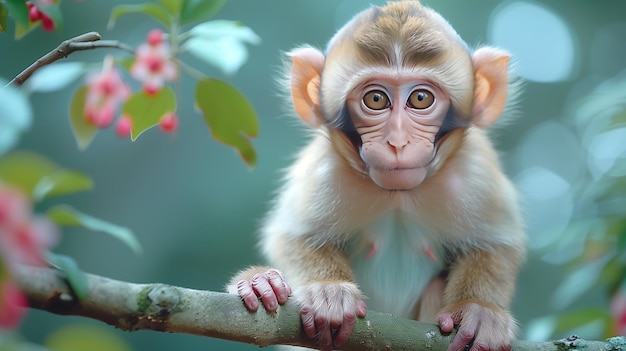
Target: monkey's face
{"x":398,"y":117}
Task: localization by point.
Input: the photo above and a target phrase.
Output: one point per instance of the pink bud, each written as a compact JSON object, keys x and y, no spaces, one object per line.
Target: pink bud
{"x":155,"y":37}
{"x":123,"y":126}
{"x":46,"y":23}
{"x":104,"y":117}
{"x":151,"y":89}
{"x":33,"y":12}
{"x":169,"y":122}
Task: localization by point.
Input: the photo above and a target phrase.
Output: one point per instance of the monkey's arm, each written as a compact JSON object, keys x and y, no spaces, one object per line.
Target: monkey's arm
{"x":477,"y":297}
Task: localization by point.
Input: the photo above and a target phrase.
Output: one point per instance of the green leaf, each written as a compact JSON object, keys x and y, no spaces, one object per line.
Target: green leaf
{"x":83,"y":131}
{"x":221,"y":43}
{"x":571,"y":320}
{"x":55,"y":76}
{"x":15,"y":116}
{"x":76,"y":278}
{"x":4,"y":15}
{"x":40,"y":177}
{"x":67,"y":216}
{"x":22,"y":29}
{"x":621,"y":241}
{"x":125,"y":62}
{"x":229,"y":115}
{"x":60,"y":183}
{"x":81,"y":337}
{"x":172,"y":6}
{"x":18,"y":10}
{"x":153,"y":10}
{"x":199,"y":10}
{"x":146,"y":110}
{"x":53,"y":11}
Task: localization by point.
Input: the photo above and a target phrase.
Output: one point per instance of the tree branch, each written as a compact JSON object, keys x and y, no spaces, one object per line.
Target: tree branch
{"x":87,"y":41}
{"x":165,"y":308}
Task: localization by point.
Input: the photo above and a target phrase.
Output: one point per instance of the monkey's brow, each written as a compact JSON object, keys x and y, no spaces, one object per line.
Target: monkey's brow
{"x":392,"y":42}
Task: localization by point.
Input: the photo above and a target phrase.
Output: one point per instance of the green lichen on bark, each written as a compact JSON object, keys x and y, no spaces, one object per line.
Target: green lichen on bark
{"x":143,"y":301}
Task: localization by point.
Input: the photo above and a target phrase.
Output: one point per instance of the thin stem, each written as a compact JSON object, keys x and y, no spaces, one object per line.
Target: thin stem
{"x":191,"y":71}
{"x":87,"y":41}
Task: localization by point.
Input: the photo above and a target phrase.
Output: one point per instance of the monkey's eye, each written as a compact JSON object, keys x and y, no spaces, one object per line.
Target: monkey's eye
{"x":376,"y":100}
{"x":420,"y":99}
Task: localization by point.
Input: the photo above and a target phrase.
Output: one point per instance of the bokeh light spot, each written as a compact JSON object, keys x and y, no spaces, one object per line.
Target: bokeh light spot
{"x":541,"y":43}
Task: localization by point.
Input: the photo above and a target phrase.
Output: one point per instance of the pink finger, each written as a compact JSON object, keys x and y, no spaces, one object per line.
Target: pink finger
{"x":263,"y":289}
{"x":361,"y":309}
{"x":324,"y":335}
{"x":244,"y":289}
{"x":308,"y":322}
{"x":349,"y":320}
{"x":446,"y":324}
{"x":462,"y":338}
{"x":279,"y":285}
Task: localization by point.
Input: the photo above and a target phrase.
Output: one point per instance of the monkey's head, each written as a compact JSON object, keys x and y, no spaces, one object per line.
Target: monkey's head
{"x":394,"y":81}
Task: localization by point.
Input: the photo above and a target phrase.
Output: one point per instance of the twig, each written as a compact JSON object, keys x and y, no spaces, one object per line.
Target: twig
{"x":87,"y":41}
{"x":165,"y":308}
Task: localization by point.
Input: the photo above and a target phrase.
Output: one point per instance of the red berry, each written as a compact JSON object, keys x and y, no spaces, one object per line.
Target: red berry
{"x":151,"y":89}
{"x":155,"y":37}
{"x":169,"y":122}
{"x":46,"y":23}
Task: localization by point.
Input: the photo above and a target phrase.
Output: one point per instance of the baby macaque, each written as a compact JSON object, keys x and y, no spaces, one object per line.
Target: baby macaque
{"x":398,"y":201}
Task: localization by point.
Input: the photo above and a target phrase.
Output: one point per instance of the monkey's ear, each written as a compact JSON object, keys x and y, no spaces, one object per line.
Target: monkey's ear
{"x":306,"y":70}
{"x":491,"y":76}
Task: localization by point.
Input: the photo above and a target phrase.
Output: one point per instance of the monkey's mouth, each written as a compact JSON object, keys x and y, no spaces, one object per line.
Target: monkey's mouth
{"x":398,"y":178}
{"x":398,"y":169}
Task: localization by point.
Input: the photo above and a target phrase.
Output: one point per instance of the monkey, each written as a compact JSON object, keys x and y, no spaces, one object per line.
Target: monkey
{"x":398,"y":202}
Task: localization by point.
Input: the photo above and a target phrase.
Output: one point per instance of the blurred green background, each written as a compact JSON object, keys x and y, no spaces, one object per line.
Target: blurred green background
{"x":195,"y":206}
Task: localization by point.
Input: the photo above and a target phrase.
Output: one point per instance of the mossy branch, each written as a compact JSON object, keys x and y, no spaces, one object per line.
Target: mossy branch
{"x":160,"y":307}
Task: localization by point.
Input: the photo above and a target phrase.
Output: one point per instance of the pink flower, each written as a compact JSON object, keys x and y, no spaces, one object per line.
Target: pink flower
{"x":106,"y":91}
{"x":153,"y":66}
{"x":618,"y":310}
{"x":24,"y":238}
{"x":12,"y":303}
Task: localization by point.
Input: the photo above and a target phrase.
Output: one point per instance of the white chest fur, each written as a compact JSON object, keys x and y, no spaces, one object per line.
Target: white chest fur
{"x":393,"y":260}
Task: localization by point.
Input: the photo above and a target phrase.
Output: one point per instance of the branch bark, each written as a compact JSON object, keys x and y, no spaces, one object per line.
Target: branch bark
{"x":160,"y":307}
{"x":87,"y":41}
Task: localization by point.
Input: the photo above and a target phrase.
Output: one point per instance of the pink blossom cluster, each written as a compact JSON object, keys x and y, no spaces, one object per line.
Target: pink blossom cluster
{"x":24,"y":239}
{"x":107,"y":91}
{"x":153,"y":67}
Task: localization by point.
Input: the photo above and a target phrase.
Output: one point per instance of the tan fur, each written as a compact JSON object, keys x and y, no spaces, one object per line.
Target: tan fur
{"x":452,"y":244}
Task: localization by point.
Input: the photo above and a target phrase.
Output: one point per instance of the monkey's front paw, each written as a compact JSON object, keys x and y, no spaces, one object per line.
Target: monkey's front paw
{"x":329,"y":311}
{"x":483,"y":327}
{"x":269,"y":286}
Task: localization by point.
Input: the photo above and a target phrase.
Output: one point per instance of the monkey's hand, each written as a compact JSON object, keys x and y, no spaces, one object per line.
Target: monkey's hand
{"x":482,"y":326}
{"x":329,"y":311}
{"x":265,"y":283}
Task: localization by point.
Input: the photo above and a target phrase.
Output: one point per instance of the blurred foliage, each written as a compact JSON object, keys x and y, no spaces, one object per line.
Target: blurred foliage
{"x":597,"y":231}
{"x":195,"y":209}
